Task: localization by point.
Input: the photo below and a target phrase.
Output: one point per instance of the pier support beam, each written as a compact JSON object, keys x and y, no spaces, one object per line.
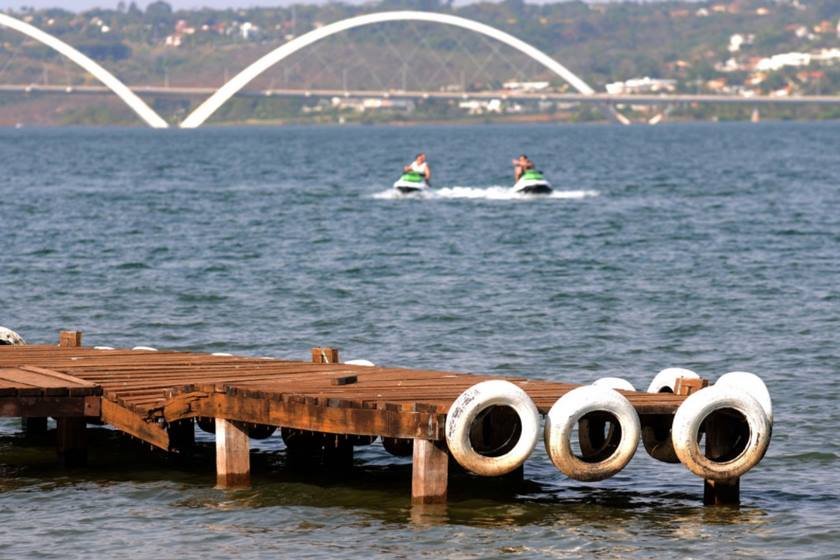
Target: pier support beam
{"x":429,"y":473}
{"x":36,"y":426}
{"x":719,"y":438}
{"x":722,"y":492}
{"x":233,"y":463}
{"x":71,"y":437}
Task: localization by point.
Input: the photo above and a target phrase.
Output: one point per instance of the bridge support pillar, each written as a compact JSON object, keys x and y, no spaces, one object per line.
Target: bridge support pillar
{"x":233,"y":462}
{"x":429,"y":473}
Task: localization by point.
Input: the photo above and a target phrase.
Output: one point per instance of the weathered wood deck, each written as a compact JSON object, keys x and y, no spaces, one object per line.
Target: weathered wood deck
{"x":148,"y":394}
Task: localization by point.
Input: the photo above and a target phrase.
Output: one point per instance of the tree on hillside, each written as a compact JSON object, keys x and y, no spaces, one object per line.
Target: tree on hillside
{"x":159,"y":16}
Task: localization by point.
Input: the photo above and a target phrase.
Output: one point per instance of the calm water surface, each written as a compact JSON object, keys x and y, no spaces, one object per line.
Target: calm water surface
{"x":710,"y":247}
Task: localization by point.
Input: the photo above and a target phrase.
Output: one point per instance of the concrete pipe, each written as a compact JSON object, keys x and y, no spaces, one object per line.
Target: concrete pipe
{"x":492,"y":428}
{"x":616,"y":450}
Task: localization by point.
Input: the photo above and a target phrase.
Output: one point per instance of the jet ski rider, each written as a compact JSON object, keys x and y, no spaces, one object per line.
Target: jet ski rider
{"x":421,"y":167}
{"x":521,"y":165}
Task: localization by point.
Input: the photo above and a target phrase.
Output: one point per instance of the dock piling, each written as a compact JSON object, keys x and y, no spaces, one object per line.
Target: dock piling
{"x":722,"y":492}
{"x":233,"y":463}
{"x":71,"y":437}
{"x":429,"y":473}
{"x":719,"y":438}
{"x":70,"y":339}
{"x":325,"y":355}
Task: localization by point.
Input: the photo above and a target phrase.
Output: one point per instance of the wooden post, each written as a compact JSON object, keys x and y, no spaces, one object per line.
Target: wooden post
{"x":233,"y":467}
{"x":71,"y":436}
{"x":718,"y":441}
{"x":37,"y":426}
{"x":325,"y":355}
{"x":429,"y":473}
{"x":685,"y":386}
{"x":722,"y":492}
{"x":70,"y":339}
{"x":71,"y":433}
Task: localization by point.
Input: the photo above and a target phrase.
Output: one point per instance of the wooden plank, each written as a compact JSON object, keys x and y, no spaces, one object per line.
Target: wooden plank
{"x":127,"y":421}
{"x":21,"y":376}
{"x":429,"y":472}
{"x":57,"y":407}
{"x":310,"y":416}
{"x":233,"y":467}
{"x":58,"y":375}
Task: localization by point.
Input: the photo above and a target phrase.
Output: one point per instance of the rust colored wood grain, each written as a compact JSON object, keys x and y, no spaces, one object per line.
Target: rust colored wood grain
{"x":142,"y":390}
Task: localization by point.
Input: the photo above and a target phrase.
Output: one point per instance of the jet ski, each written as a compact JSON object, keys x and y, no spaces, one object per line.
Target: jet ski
{"x":532,"y":182}
{"x":411,"y":182}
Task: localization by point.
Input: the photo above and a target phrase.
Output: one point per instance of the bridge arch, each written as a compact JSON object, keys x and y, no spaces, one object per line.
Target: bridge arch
{"x":109,"y":80}
{"x":212,"y":103}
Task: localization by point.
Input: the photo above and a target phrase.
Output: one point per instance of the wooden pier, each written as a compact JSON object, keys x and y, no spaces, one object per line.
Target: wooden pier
{"x":157,"y":396}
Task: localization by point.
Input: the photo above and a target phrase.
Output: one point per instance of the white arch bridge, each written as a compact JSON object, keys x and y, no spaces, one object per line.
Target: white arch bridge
{"x":235,"y":86}
{"x":206,"y":109}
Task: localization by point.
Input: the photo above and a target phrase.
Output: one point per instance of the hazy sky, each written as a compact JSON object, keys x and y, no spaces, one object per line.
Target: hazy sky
{"x":87,"y":4}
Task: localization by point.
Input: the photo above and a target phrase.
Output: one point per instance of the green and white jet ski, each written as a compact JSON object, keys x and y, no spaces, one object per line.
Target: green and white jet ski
{"x":411,"y":182}
{"x":532,"y":182}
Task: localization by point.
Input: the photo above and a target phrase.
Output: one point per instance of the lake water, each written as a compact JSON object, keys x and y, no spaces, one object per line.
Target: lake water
{"x":712,"y":247}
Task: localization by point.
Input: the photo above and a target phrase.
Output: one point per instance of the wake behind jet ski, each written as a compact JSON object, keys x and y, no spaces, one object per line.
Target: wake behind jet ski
{"x":528,"y":179}
{"x":415,"y":177}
